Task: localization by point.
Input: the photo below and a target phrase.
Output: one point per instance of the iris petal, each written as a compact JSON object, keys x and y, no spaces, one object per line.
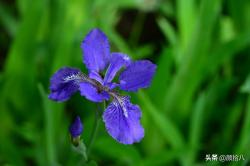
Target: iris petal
{"x":95,"y":75}
{"x":96,"y":51}
{"x":91,"y":92}
{"x":122,"y":121}
{"x":64,"y":83}
{"x":137,"y":75}
{"x":117,"y":61}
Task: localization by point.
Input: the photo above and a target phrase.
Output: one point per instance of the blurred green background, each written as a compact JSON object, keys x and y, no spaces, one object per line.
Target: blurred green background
{"x":198,"y":104}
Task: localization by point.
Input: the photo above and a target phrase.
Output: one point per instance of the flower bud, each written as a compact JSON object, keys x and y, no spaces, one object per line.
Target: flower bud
{"x":75,"y":130}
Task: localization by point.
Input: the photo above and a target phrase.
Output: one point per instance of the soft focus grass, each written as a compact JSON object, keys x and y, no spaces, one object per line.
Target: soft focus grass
{"x":198,"y":104}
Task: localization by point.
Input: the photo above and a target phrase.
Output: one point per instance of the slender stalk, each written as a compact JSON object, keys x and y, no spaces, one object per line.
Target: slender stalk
{"x":95,"y":128}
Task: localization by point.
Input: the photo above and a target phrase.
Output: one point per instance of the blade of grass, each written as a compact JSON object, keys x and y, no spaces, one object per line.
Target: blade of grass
{"x":245,"y":88}
{"x":195,"y":128}
{"x":52,"y":126}
{"x":71,"y":23}
{"x":226,"y":51}
{"x":166,"y":127}
{"x":187,"y":78}
{"x":118,"y":152}
{"x":170,"y":132}
{"x":231,"y":123}
{"x":162,"y":158}
{"x":165,"y":65}
{"x":119,"y":42}
{"x":240,"y":12}
{"x":22,"y":52}
{"x":8,"y":20}
{"x":22,"y":6}
{"x":244,"y":139}
{"x":186,"y":20}
{"x":49,"y":128}
{"x":167,"y":30}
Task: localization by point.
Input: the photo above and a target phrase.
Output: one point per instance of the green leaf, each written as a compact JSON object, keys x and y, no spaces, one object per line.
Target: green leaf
{"x":167,"y":30}
{"x":245,"y":88}
{"x":196,"y":124}
{"x":186,"y":11}
{"x":240,"y":12}
{"x":164,"y":157}
{"x":188,"y":77}
{"x":165,"y":65}
{"x":244,"y":140}
{"x":165,"y":126}
{"x":52,"y":114}
{"x":119,"y":153}
{"x":7,"y":20}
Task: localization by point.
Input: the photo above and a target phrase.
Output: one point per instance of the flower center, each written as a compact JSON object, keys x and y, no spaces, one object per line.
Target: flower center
{"x":119,"y":100}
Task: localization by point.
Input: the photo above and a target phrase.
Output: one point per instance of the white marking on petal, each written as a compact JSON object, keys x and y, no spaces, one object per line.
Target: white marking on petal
{"x":72,"y":77}
{"x":126,"y":58}
{"x":120,"y":102}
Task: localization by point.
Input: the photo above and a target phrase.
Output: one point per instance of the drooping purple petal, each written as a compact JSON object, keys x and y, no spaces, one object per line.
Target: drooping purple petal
{"x":117,"y":61}
{"x":137,"y":75}
{"x":76,"y":127}
{"x":122,"y":121}
{"x":91,"y":92}
{"x":96,"y":53}
{"x":64,"y":83}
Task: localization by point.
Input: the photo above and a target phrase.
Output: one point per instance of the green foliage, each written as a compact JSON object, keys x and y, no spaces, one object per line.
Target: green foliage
{"x":198,"y":103}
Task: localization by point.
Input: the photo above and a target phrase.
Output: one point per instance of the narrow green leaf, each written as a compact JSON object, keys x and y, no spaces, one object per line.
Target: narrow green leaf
{"x":7,"y":20}
{"x":167,"y":30}
{"x":245,"y":88}
{"x":186,"y":11}
{"x":166,"y":127}
{"x":165,"y":65}
{"x":162,"y":158}
{"x":244,"y":140}
{"x":116,"y":151}
{"x":190,"y":72}
{"x":240,"y":12}
{"x":226,"y":51}
{"x":119,"y":42}
{"x":196,"y":123}
{"x":50,"y":129}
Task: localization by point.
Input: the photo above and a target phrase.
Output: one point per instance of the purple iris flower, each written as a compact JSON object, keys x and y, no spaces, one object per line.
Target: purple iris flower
{"x":121,"y":117}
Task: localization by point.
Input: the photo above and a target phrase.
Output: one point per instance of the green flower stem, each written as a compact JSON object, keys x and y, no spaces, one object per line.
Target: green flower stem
{"x":95,"y":129}
{"x":81,"y":149}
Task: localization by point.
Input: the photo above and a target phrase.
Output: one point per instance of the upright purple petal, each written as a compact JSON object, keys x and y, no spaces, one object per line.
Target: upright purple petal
{"x":122,"y":121}
{"x":92,"y":93}
{"x":117,"y":61}
{"x":137,"y":75}
{"x":64,"y":83}
{"x":95,"y":75}
{"x":96,"y":51}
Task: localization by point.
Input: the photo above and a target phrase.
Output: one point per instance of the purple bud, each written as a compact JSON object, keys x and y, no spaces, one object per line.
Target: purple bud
{"x":76,"y":128}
